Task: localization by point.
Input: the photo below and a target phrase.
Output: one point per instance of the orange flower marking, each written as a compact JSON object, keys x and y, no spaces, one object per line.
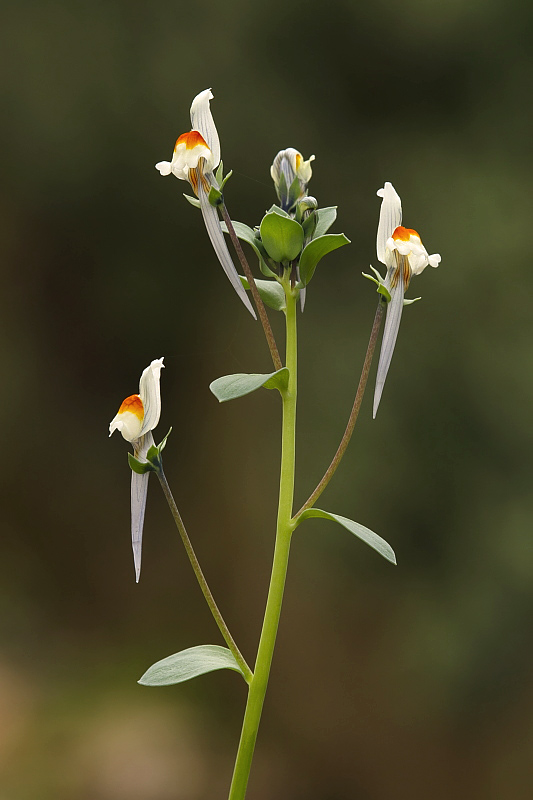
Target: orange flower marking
{"x":191,"y":139}
{"x":403,"y":234}
{"x":134,"y":405}
{"x":298,"y":161}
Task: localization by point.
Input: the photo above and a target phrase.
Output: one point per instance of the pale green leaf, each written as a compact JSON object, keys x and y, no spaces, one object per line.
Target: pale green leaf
{"x":326,"y":218}
{"x":282,"y":237}
{"x":317,"y":249}
{"x":229,"y":387}
{"x":189,"y":664}
{"x":246,"y":234}
{"x":365,"y":534}
{"x":271,"y":292}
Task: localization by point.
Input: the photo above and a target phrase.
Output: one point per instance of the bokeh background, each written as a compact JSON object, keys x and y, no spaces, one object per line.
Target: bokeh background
{"x":413,"y":681}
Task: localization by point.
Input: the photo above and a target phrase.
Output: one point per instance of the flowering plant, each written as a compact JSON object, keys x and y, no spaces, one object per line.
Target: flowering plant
{"x":289,"y":243}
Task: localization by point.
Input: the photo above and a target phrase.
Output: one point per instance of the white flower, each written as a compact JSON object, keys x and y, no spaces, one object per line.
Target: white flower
{"x":288,"y":166}
{"x":196,"y":156}
{"x":136,"y":418}
{"x":404,"y":255}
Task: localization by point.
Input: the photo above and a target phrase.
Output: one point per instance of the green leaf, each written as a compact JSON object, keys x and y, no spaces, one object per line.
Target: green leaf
{"x":309,"y":224}
{"x":271,"y":293}
{"x":229,"y":387}
{"x":189,"y":664}
{"x":282,"y":237}
{"x":219,"y":173}
{"x":317,"y":249}
{"x":326,"y":218}
{"x":246,"y":234}
{"x":139,"y":466}
{"x":410,"y":302}
{"x":277,"y":210}
{"x":365,"y":534}
{"x":192,"y":200}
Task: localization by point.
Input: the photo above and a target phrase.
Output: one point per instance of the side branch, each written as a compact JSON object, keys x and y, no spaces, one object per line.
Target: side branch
{"x":224,"y":630}
{"x":261,"y":310}
{"x":354,"y":412}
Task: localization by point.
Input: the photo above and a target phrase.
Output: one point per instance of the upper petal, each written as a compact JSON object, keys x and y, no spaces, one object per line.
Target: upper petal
{"x":202,"y":120}
{"x":151,"y":395}
{"x":390,"y":217}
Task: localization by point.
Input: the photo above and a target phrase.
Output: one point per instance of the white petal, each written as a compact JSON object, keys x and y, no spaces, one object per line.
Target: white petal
{"x":202,"y":121}
{"x":434,"y":260}
{"x":128,"y":424}
{"x":390,"y":216}
{"x":139,"y":490}
{"x":151,"y":395}
{"x":164,"y":167}
{"x":392,"y":324}
{"x":212,"y":223}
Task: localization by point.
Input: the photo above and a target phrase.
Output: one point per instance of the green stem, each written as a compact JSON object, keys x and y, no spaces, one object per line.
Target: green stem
{"x":328,"y":475}
{"x":223,"y":628}
{"x":285,"y":527}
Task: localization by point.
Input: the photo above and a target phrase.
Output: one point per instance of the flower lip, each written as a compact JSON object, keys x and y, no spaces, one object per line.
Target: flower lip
{"x":139,"y":413}
{"x":134,"y":405}
{"x":191,"y":139}
{"x":404,"y":234}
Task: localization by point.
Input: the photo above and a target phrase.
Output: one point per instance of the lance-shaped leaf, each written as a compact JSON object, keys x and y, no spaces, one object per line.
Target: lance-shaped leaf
{"x":189,"y":664}
{"x":271,"y":293}
{"x":246,"y":234}
{"x":229,"y":387}
{"x":317,"y":249}
{"x":365,"y":534}
{"x":390,"y":333}
{"x":282,"y":237}
{"x":212,"y":223}
{"x":325,"y":219}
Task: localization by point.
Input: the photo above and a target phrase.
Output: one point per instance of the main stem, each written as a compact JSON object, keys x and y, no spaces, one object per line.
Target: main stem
{"x":261,"y":310}
{"x":224,"y":630}
{"x":336,"y":460}
{"x":285,"y":526}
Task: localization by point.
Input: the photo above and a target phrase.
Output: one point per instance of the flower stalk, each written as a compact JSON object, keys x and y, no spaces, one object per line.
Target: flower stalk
{"x":363,"y":380}
{"x":284,"y":529}
{"x":261,"y":310}
{"x":206,"y":591}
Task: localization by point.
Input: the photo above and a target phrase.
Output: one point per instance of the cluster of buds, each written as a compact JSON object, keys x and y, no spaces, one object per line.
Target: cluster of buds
{"x":291,"y":176}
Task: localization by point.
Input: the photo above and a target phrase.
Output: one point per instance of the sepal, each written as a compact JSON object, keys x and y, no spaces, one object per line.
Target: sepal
{"x":154,"y":453}
{"x":192,"y":200}
{"x":382,"y":289}
{"x":140,"y":467}
{"x":215,"y":196}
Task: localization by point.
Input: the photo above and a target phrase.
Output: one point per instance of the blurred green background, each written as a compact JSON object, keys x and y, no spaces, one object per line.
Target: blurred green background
{"x":387,"y":682}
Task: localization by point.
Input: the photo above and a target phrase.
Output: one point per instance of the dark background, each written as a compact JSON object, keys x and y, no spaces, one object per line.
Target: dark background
{"x":387,"y":682}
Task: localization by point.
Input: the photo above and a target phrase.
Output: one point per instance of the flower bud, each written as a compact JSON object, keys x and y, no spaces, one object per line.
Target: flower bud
{"x":291,"y":176}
